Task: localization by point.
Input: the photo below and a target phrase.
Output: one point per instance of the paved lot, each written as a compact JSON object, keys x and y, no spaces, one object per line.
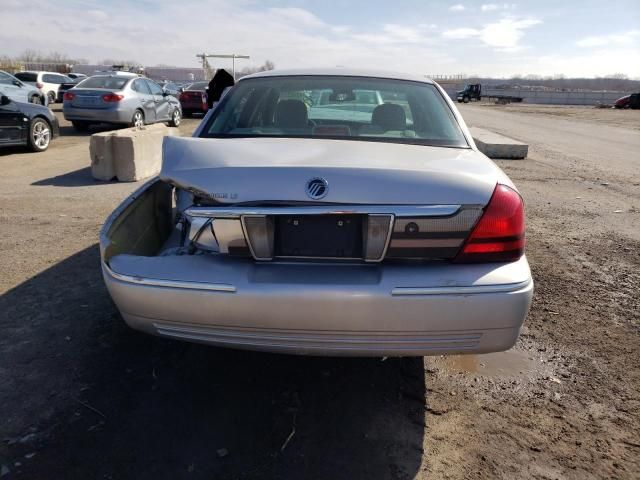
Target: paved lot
{"x":82,"y":396}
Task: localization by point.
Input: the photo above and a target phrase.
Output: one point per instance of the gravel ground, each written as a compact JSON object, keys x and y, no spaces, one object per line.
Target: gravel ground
{"x":82,"y":396}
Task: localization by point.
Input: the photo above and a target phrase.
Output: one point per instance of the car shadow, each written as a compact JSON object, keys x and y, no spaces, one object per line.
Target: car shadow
{"x":78,"y":178}
{"x":95,"y":399}
{"x":5,"y":151}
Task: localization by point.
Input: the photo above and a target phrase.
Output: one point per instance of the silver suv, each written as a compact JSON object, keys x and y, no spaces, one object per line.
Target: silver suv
{"x":120,"y":98}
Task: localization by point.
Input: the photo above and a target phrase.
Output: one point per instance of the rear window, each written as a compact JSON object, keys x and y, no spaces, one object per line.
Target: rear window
{"x":111,"y":83}
{"x":197,"y":86}
{"x":52,"y":78}
{"x":337,"y":107}
{"x":27,"y":76}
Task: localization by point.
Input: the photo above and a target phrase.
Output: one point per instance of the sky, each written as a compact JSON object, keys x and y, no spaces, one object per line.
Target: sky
{"x":543,"y":37}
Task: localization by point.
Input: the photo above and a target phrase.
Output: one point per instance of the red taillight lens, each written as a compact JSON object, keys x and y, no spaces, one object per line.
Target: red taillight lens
{"x":69,"y":96}
{"x":499,"y":235}
{"x":112,"y":97}
{"x":39,"y":85}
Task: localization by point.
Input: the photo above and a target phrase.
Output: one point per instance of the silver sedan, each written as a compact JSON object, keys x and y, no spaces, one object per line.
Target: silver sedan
{"x":364,"y":224}
{"x":120,"y":98}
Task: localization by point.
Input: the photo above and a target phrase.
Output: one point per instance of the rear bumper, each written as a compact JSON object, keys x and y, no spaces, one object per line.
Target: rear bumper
{"x":360,"y":310}
{"x":193,"y":106}
{"x":96,"y":115}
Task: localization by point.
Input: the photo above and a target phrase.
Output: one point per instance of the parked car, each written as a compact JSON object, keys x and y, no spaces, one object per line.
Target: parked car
{"x":76,"y":76}
{"x":48,"y":82}
{"x":194,"y":99}
{"x":125,"y":99}
{"x":27,"y":124}
{"x":628,"y":101}
{"x":319,"y":231}
{"x":64,"y":87}
{"x":19,"y":91}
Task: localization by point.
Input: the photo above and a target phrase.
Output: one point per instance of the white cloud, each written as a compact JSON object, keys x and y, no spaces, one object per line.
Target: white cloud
{"x":458,"y":33}
{"x":299,"y":16}
{"x":504,"y":35}
{"x":457,"y":7}
{"x":97,"y":15}
{"x":507,"y":32}
{"x":492,"y":7}
{"x":627,"y":38}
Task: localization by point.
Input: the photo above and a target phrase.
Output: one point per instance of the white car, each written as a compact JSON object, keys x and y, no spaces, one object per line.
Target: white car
{"x":48,"y":82}
{"x":345,"y":227}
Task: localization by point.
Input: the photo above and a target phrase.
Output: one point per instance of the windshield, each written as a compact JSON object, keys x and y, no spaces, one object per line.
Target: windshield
{"x":104,"y":81}
{"x":345,"y":108}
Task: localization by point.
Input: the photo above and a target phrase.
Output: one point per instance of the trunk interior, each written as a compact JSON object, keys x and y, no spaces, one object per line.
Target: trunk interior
{"x":141,"y":226}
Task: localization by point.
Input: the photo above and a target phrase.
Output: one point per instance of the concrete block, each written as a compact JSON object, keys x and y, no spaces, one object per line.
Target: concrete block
{"x":494,"y":145}
{"x":100,"y":151}
{"x":130,"y":154}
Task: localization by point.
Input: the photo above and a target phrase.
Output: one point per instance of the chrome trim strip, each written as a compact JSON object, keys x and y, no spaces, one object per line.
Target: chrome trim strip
{"x":426,"y":242}
{"x":157,"y":282}
{"x":467,"y":290}
{"x":396,"y":210}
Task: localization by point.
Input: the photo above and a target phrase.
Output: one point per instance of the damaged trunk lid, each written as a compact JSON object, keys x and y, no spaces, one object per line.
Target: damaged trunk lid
{"x":246,"y":170}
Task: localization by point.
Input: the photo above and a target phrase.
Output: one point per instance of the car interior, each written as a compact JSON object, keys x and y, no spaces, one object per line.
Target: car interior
{"x":345,"y":110}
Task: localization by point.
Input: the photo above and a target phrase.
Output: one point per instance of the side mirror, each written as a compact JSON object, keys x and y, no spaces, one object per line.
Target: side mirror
{"x":4,"y":100}
{"x":18,"y":83}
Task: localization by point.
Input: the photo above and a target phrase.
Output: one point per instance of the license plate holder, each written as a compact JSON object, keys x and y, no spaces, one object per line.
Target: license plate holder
{"x":87,"y":101}
{"x":318,"y":236}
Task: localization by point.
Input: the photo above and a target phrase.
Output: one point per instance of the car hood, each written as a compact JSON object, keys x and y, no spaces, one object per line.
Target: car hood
{"x":31,"y":110}
{"x":357,"y":172}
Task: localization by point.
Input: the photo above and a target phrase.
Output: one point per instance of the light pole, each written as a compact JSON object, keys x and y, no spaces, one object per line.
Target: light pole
{"x":233,"y":56}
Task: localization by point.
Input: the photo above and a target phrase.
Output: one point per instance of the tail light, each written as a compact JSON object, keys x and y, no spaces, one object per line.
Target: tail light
{"x":39,"y":85}
{"x":499,"y":234}
{"x":112,"y":97}
{"x":69,"y":96}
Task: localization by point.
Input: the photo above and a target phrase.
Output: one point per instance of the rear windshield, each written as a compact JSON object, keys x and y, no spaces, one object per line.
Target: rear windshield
{"x":111,"y":83}
{"x":197,"y":86}
{"x":27,"y":76}
{"x":345,"y":108}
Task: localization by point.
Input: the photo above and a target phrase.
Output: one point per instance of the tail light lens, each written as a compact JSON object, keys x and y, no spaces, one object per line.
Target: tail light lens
{"x":39,"y":85}
{"x":499,"y":234}
{"x":112,"y":97}
{"x":69,"y":96}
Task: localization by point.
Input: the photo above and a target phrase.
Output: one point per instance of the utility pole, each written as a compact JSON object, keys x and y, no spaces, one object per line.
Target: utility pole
{"x":205,"y":64}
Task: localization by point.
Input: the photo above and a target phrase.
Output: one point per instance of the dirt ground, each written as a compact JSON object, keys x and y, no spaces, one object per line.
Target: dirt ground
{"x":83,"y":396}
{"x":587,"y":114}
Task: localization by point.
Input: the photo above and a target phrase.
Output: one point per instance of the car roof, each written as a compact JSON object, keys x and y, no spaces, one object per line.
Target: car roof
{"x":44,"y":71}
{"x":340,"y":72}
{"x":118,"y":74}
